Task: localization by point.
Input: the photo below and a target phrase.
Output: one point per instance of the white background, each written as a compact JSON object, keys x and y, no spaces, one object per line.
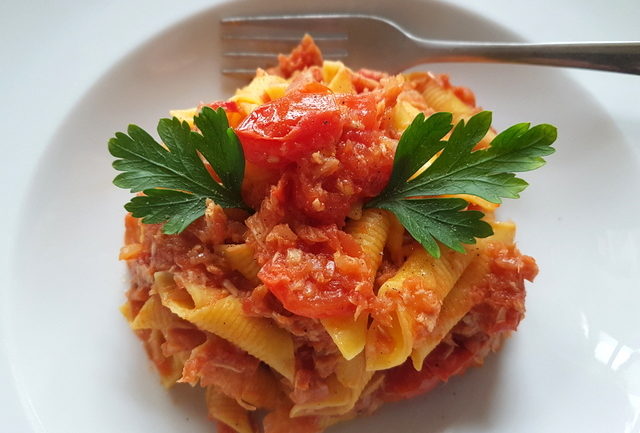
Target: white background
{"x":52,"y":52}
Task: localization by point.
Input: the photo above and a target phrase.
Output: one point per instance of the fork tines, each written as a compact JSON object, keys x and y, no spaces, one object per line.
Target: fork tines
{"x":252,"y":42}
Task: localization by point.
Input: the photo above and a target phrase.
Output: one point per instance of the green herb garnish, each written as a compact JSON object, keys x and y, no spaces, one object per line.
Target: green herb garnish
{"x":176,"y":183}
{"x":487,"y":173}
{"x":173,"y":178}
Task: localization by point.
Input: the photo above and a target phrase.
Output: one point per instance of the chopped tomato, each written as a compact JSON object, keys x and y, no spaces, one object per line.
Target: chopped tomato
{"x":463,"y":93}
{"x":286,"y":129}
{"x":359,"y":111}
{"x":318,"y":275}
{"x":483,"y":328}
{"x":304,"y":295}
{"x":304,"y":55}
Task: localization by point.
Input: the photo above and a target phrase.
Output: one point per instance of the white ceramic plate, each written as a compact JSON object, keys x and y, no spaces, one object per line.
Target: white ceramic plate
{"x":574,"y":365}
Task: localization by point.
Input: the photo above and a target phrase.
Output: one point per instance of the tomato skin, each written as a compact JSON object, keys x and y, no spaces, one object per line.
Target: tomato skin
{"x":359,"y":111}
{"x":282,"y":131}
{"x":322,"y":301}
{"x":318,"y":272}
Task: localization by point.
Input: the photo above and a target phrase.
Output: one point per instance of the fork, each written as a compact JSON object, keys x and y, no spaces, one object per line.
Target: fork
{"x":378,"y":43}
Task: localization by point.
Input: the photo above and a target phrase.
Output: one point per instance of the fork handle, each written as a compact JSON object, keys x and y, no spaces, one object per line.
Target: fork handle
{"x":606,"y":56}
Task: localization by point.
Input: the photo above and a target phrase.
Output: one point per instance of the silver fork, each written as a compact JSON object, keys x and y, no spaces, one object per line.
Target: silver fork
{"x":378,"y":43}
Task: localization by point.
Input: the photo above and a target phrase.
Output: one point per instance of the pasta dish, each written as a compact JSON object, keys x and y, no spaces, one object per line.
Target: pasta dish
{"x":310,"y":308}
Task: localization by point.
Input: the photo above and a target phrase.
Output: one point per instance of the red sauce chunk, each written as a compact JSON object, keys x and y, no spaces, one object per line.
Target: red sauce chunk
{"x":318,"y":272}
{"x":284,"y":130}
{"x":498,"y":312}
{"x":313,"y":158}
{"x":330,"y":155}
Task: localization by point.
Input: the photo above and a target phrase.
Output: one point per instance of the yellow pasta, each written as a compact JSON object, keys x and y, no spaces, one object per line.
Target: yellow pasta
{"x":460,"y":300}
{"x":345,"y":387}
{"x":262,"y":88}
{"x":153,"y":315}
{"x":437,"y":276}
{"x":341,"y":82}
{"x":353,"y":375}
{"x":177,"y":364}
{"x":262,"y":391}
{"x":199,"y":295}
{"x":395,"y":239}
{"x":374,"y":383}
{"x":185,"y":115}
{"x":241,"y":258}
{"x":277,"y":353}
{"x":276,"y":89}
{"x":127,"y":312}
{"x":441,"y":99}
{"x":130,"y":251}
{"x":504,"y":232}
{"x":338,"y":397}
{"x":170,"y":369}
{"x":329,"y":69}
{"x":348,"y":333}
{"x":455,"y":306}
{"x":403,"y":114}
{"x":370,"y":232}
{"x":227,"y":411}
{"x":388,"y":347}
{"x":486,"y":206}
{"x":225,"y":318}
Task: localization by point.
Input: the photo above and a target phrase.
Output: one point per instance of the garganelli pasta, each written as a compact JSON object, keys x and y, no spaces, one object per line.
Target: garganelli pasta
{"x":314,"y":310}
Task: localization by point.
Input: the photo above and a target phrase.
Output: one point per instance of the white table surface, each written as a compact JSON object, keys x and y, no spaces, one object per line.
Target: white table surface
{"x":52,"y":52}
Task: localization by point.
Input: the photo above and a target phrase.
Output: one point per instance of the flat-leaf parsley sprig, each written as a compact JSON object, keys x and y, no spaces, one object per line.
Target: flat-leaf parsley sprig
{"x":176,"y":184}
{"x":488,"y":173}
{"x":173,"y":178}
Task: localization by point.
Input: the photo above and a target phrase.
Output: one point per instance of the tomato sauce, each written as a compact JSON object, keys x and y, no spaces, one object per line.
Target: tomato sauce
{"x":305,"y":55}
{"x":330,"y":156}
{"x":497,"y":313}
{"x":283,"y":131}
{"x":312,"y":159}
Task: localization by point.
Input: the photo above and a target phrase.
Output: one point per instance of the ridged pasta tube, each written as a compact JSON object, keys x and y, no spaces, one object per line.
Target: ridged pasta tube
{"x":262,"y":88}
{"x":228,"y":411}
{"x":388,"y":347}
{"x":241,"y":258}
{"x":225,"y":318}
{"x":370,"y":232}
{"x":442,"y":99}
{"x":349,"y":334}
{"x":341,"y":81}
{"x":460,"y":300}
{"x":153,"y":315}
{"x":345,"y":387}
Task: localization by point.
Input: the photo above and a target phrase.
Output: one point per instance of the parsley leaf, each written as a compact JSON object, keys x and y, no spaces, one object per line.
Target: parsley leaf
{"x":486,"y":173}
{"x":221,"y":148}
{"x":173,"y":178}
{"x":441,"y":219}
{"x":176,"y":209}
{"x":419,"y":143}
